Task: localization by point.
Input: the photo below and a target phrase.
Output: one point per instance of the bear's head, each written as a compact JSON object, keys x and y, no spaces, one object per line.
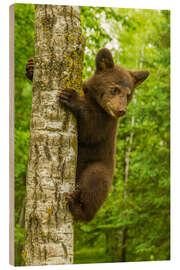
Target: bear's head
{"x":112,"y":86}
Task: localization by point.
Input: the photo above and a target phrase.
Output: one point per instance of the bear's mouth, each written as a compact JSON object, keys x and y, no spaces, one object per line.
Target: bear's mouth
{"x":114,"y":113}
{"x":120,"y":113}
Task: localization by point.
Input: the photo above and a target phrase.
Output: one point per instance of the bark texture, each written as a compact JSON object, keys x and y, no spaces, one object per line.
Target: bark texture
{"x":59,"y":48}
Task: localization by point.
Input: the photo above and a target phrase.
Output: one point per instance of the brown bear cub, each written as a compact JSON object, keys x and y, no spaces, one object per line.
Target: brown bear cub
{"x":106,"y":96}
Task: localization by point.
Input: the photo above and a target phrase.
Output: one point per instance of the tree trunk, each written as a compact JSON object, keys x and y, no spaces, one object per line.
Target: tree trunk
{"x":126,"y":175}
{"x":127,"y":161}
{"x":59,"y":48}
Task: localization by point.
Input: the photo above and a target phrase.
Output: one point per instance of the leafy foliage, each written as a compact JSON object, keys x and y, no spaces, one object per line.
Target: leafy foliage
{"x":24,"y":49}
{"x":134,"y":223}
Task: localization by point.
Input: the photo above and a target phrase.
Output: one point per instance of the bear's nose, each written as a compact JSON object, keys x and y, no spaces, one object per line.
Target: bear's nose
{"x":121,"y":112}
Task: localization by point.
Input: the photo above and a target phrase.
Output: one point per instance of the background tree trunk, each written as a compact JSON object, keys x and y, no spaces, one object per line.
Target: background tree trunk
{"x":127,"y":164}
{"x":59,"y":48}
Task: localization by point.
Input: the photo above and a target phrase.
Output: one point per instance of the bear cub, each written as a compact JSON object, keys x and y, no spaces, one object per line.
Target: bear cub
{"x":106,"y":96}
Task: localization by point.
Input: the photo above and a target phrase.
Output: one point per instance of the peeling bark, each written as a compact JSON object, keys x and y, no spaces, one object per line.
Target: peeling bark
{"x":59,"y":48}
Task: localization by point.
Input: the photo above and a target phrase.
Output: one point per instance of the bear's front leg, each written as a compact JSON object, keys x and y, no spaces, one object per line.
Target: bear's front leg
{"x":70,"y":98}
{"x":30,"y":69}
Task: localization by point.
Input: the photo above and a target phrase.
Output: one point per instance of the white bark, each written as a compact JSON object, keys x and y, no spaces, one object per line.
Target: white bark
{"x":58,"y":61}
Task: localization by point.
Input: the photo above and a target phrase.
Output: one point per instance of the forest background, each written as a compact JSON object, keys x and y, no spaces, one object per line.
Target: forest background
{"x":134,"y":223}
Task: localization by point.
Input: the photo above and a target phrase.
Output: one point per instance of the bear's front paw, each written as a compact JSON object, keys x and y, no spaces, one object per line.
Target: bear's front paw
{"x":68,"y":97}
{"x":30,"y":69}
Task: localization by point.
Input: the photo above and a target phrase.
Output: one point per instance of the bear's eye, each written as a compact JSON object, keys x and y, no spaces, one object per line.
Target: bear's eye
{"x":116,"y":91}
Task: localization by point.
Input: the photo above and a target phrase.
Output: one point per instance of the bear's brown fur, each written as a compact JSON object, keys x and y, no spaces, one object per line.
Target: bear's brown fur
{"x":107,"y":94}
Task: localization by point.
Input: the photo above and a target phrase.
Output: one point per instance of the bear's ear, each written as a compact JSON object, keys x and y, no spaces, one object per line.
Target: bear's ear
{"x":139,"y":76}
{"x":104,"y":60}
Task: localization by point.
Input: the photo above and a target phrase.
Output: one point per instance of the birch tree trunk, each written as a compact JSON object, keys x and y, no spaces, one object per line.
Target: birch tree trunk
{"x":59,"y":48}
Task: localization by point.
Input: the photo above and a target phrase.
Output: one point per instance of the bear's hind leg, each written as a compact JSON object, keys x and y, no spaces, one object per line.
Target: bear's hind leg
{"x":94,"y":185}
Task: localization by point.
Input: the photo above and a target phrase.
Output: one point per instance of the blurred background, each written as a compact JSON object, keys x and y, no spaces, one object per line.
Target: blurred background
{"x":134,"y":223}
